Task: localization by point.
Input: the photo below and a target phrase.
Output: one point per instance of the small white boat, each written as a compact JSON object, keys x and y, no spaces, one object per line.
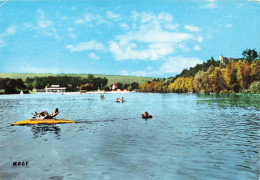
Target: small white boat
{"x":21,"y":92}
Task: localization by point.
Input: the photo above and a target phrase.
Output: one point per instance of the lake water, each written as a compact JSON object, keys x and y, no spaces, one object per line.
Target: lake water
{"x":189,"y":137}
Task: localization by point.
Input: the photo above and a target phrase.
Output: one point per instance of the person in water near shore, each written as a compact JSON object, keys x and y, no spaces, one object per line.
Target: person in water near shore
{"x":145,"y":114}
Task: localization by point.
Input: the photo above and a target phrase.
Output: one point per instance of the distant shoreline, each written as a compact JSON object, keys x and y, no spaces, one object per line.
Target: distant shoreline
{"x":90,"y":92}
{"x":125,"y":92}
{"x":95,"y":92}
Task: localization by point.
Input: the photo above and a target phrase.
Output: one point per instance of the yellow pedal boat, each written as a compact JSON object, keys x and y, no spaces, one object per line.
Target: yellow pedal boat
{"x":42,"y":121}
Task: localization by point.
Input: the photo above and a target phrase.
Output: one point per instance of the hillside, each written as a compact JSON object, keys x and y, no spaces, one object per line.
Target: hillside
{"x":228,"y":75}
{"x":111,"y":78}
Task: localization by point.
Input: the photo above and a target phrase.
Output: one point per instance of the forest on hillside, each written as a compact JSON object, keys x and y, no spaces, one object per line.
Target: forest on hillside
{"x":237,"y":75}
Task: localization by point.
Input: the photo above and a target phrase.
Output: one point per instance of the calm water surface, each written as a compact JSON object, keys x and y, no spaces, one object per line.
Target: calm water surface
{"x":189,"y":137}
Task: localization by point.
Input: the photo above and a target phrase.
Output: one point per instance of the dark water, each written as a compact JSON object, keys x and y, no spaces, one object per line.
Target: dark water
{"x":189,"y":137}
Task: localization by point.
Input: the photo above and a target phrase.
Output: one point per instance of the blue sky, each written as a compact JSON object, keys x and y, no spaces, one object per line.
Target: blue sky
{"x":156,"y":38}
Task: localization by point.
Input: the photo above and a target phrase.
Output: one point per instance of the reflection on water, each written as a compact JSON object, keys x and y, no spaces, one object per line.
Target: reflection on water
{"x":40,"y":130}
{"x":189,"y":137}
{"x":224,"y":100}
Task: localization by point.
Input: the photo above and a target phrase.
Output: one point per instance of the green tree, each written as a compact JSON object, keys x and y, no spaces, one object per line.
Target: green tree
{"x":134,"y":85}
{"x":250,"y":54}
{"x":119,"y":85}
{"x":90,"y":77}
{"x":125,"y":86}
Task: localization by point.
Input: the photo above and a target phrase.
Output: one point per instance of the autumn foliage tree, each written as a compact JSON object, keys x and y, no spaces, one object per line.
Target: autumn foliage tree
{"x":182,"y":84}
{"x":143,"y":86}
{"x":230,"y":77}
{"x":152,"y":86}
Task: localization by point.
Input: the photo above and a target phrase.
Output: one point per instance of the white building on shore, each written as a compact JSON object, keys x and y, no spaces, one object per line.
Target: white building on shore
{"x":55,"y":89}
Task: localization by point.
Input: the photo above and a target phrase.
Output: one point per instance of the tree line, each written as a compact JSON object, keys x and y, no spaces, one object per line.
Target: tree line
{"x":72,"y":83}
{"x":11,"y":86}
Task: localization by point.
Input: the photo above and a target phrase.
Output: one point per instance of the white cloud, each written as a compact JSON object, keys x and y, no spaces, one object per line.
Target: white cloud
{"x":96,"y":19}
{"x":149,"y":38}
{"x":27,"y":25}
{"x":89,"y":17}
{"x":111,"y":15}
{"x":93,"y":56}
{"x":153,"y":51}
{"x":72,"y":35}
{"x":152,"y":45}
{"x":2,"y":43}
{"x":228,"y":16}
{"x":42,"y":21}
{"x":192,"y":28}
{"x":156,"y":36}
{"x":70,"y":29}
{"x":124,"y":73}
{"x":149,"y":21}
{"x":42,"y":26}
{"x":196,"y":48}
{"x":79,"y":21}
{"x":211,"y":4}
{"x":228,"y":25}
{"x":200,"y":39}
{"x":140,"y":73}
{"x":124,"y":26}
{"x":170,"y":26}
{"x":91,"y":45}
{"x":146,"y":73}
{"x":10,"y":30}
{"x":92,"y":19}
{"x":39,"y":69}
{"x":255,"y":1}
{"x":165,"y":17}
{"x":177,"y":63}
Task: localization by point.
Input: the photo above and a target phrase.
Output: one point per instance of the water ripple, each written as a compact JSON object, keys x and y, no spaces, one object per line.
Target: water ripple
{"x":190,"y":136}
